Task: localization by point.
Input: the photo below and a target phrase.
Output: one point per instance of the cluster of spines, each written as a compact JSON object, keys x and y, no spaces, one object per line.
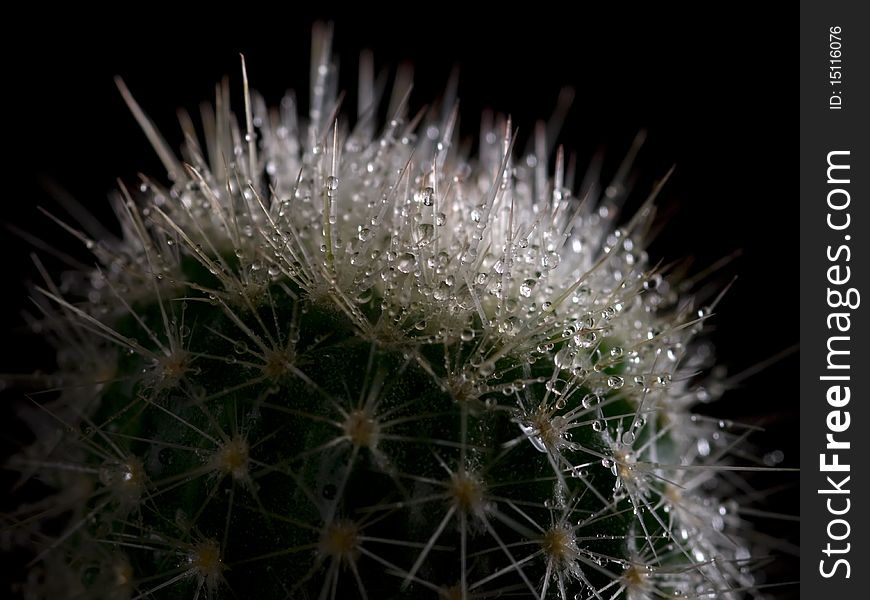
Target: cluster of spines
{"x":534,"y":326}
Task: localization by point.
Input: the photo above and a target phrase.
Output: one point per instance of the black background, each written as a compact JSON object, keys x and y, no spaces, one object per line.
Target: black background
{"x":715,"y":91}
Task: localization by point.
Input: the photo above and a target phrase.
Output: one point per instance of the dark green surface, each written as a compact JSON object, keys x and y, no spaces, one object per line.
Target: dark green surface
{"x":292,"y":493}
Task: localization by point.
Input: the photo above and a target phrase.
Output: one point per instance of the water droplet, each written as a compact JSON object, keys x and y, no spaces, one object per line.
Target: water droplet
{"x":550,"y":260}
{"x":590,"y":400}
{"x":531,"y":433}
{"x":653,"y":282}
{"x":510,"y":326}
{"x":597,"y":425}
{"x":486,"y":369}
{"x":406,"y":262}
{"x":628,"y":438}
{"x":526,"y":288}
{"x":557,"y":386}
{"x":427,"y":196}
{"x":615,"y":382}
{"x":586,"y":340}
{"x":771,"y":459}
{"x":467,"y":335}
{"x":425,"y":232}
{"x":442,"y":292}
{"x":564,"y":357}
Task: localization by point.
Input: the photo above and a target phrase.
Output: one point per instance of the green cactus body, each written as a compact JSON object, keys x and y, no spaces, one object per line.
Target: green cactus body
{"x":285,"y":466}
{"x":356,"y":365}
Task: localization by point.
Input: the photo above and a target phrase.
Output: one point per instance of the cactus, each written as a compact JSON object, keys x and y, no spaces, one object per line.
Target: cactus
{"x":328,"y":361}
